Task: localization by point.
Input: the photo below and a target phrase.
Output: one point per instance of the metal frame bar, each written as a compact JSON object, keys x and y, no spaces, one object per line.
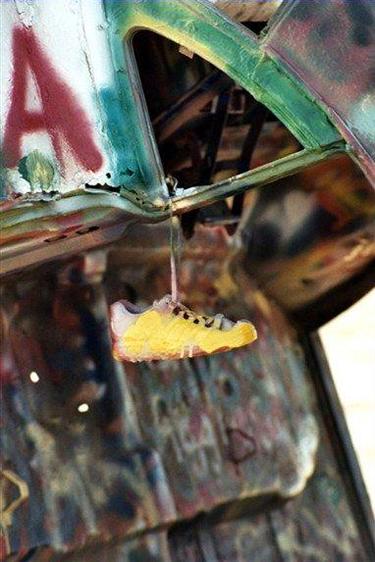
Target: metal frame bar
{"x":200,"y":27}
{"x":331,"y":409}
{"x":194,"y":100}
{"x":201,"y":196}
{"x":111,"y":213}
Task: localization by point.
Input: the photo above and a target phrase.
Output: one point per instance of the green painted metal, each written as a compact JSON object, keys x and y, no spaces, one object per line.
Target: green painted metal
{"x":97,"y":206}
{"x":197,"y":197}
{"x":143,"y":194}
{"x":198,"y":26}
{"x":27,"y":227}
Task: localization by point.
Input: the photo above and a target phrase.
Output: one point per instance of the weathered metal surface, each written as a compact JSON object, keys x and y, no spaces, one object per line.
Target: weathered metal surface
{"x":83,"y":469}
{"x":102,"y":460}
{"x":149,"y":548}
{"x":314,"y":526}
{"x":309,"y":233}
{"x":203,"y":195}
{"x":109,"y":450}
{"x":229,"y":47}
{"x":60,"y":136}
{"x":61,"y":115}
{"x":248,"y":10}
{"x":46,"y":117}
{"x":218,"y":392}
{"x":39,"y":230}
{"x":331,"y":47}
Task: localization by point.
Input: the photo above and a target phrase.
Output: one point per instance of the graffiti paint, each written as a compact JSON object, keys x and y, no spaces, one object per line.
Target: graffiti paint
{"x":64,"y":121}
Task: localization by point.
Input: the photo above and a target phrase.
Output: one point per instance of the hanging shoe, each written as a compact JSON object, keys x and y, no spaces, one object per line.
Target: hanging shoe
{"x":169,"y":330}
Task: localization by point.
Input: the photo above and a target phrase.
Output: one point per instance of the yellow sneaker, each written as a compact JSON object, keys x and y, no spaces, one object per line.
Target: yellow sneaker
{"x":169,"y":330}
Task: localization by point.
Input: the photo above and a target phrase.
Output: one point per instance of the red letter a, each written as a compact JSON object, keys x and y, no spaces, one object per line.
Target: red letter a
{"x":61,"y":114}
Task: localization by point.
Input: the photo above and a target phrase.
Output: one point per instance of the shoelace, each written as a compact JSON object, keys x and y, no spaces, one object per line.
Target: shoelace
{"x":206,"y":321}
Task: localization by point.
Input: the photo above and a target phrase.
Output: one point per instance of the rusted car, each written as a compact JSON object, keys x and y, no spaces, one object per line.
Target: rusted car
{"x":238,"y":136}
